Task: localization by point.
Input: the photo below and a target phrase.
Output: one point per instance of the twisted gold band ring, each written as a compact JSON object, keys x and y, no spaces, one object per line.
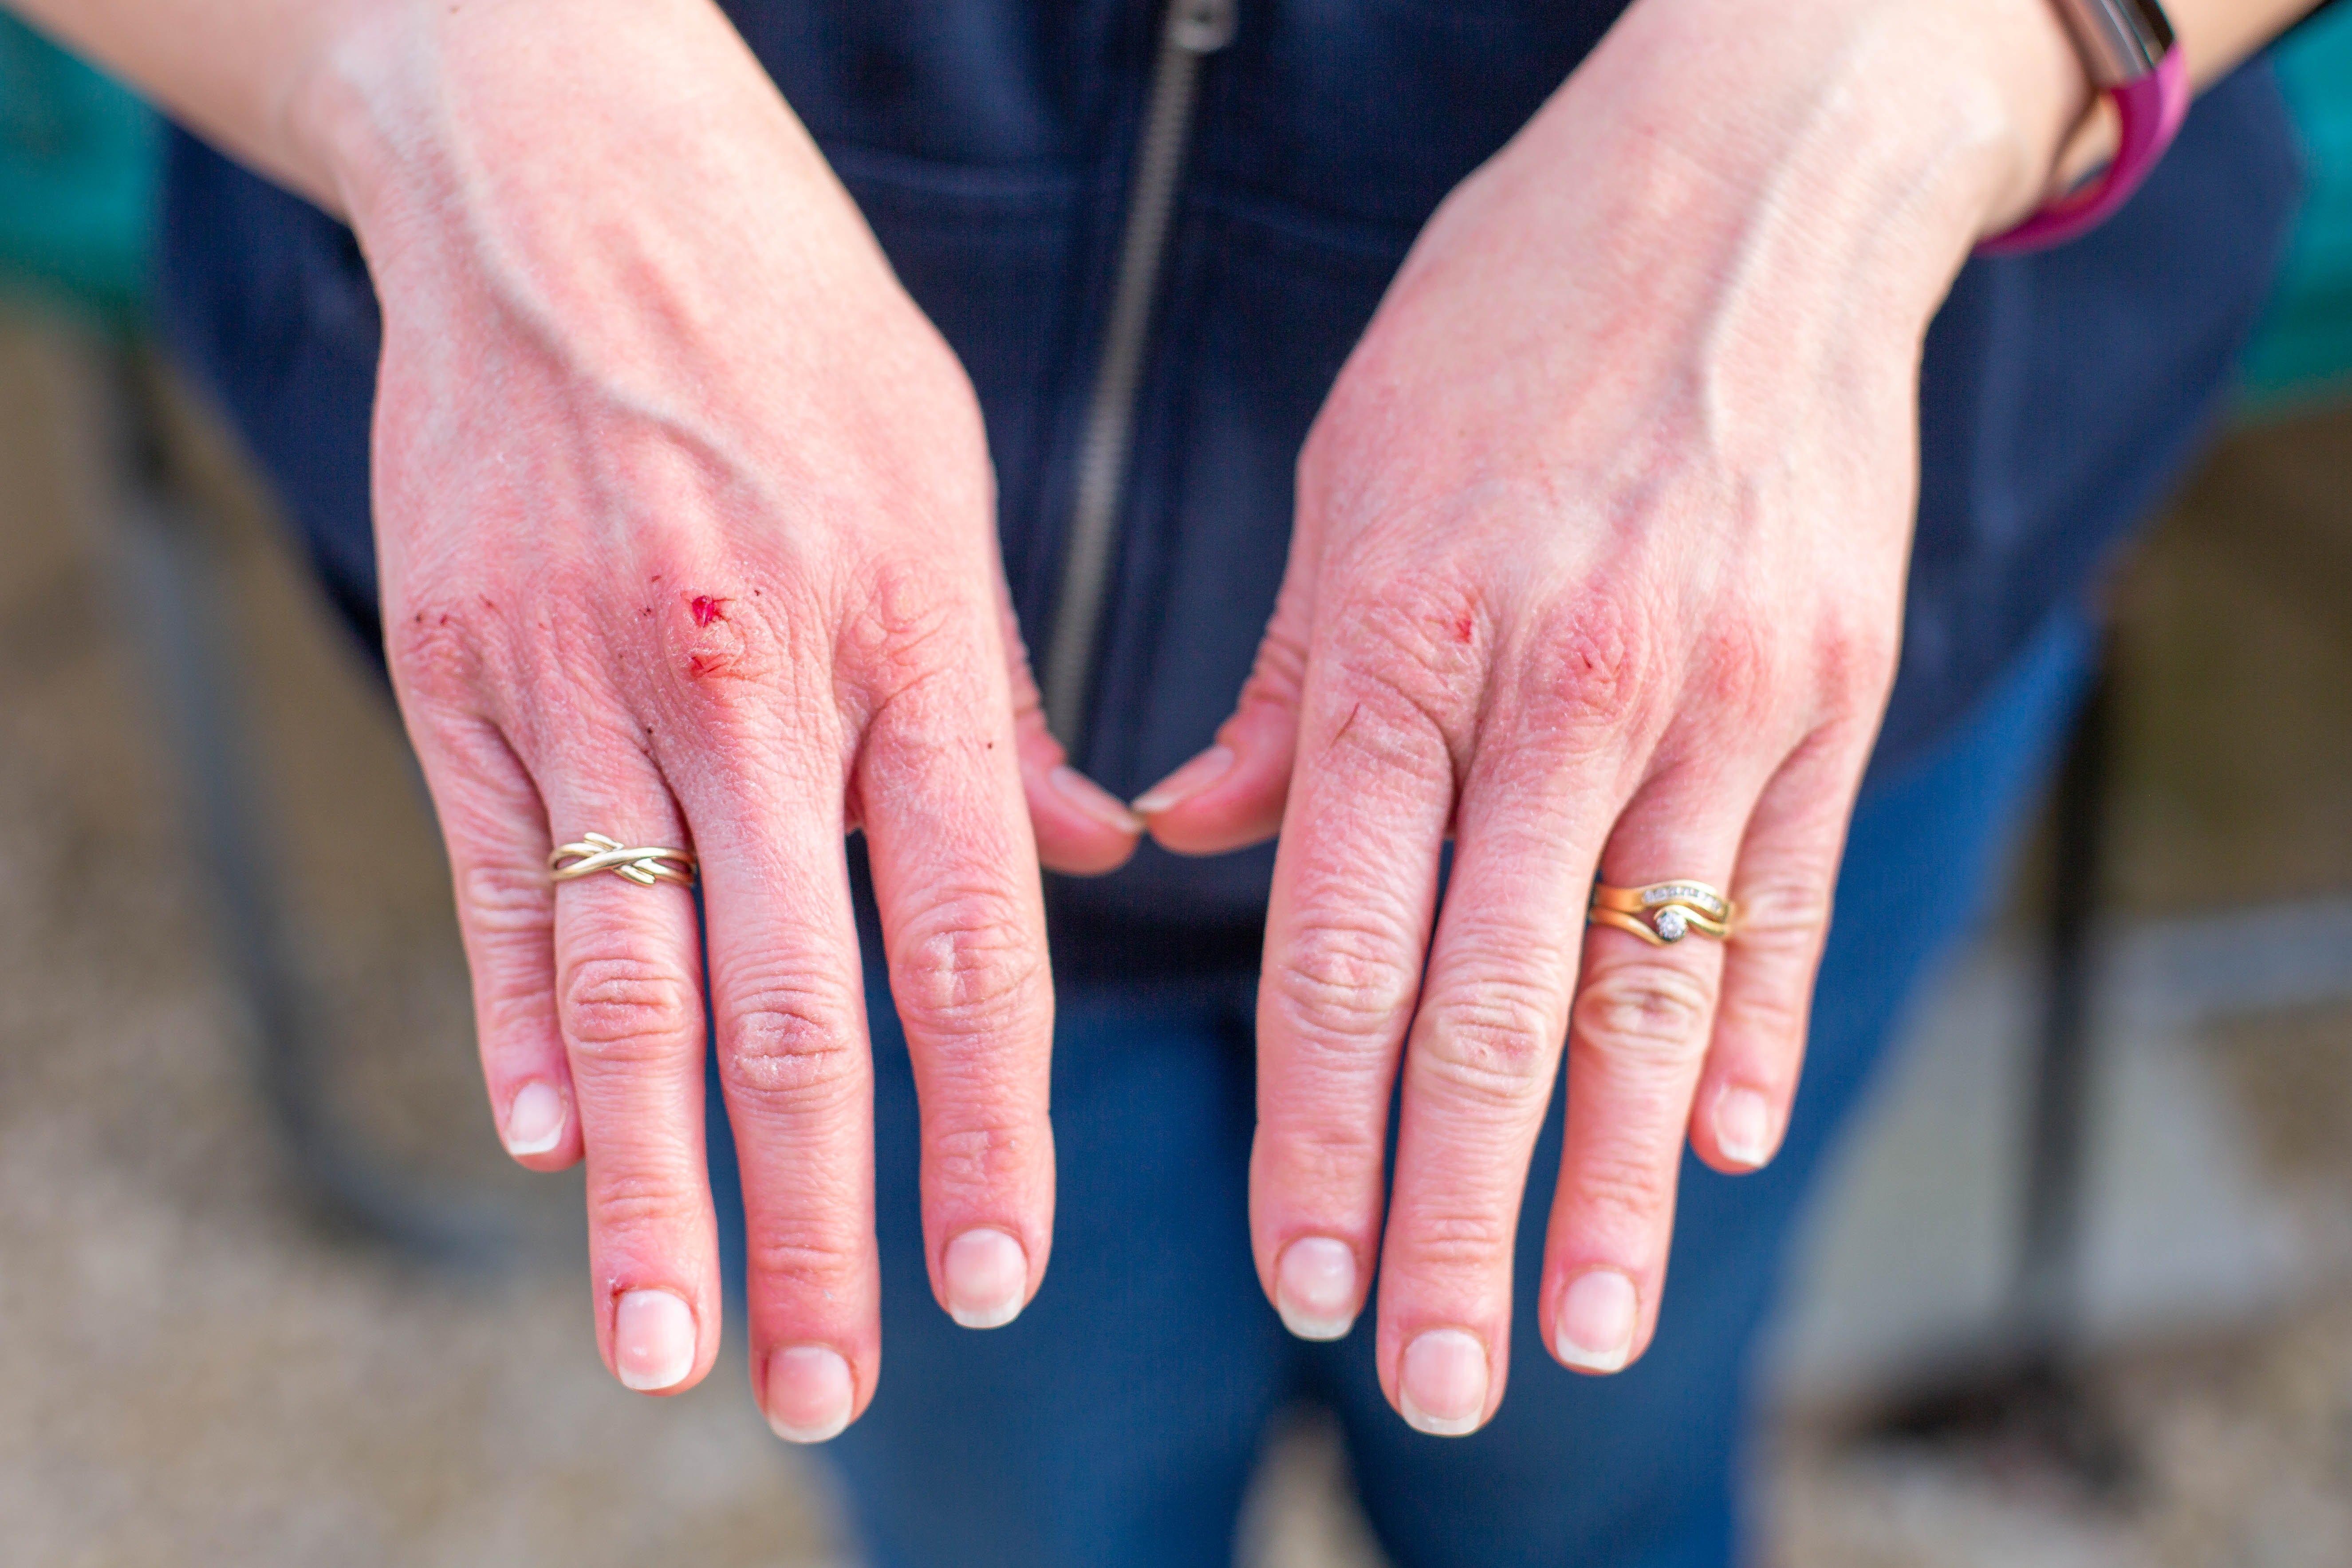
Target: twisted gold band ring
{"x":597,"y":853}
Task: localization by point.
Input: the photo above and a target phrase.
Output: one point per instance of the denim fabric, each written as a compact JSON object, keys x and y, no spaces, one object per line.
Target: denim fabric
{"x":990,"y":143}
{"x":1118,"y":1419}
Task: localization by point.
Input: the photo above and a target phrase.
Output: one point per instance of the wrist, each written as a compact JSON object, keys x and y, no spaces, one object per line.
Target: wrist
{"x":1913,"y":126}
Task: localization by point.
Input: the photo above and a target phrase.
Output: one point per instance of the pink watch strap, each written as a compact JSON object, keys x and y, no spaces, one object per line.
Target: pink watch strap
{"x":2151,"y":108}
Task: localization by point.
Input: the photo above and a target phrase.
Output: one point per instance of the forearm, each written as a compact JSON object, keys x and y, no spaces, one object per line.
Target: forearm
{"x":331,"y":97}
{"x":240,"y":71}
{"x":2218,"y":34}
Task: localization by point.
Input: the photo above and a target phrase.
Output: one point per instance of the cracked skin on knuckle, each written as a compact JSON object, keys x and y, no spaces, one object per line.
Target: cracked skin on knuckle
{"x":626,"y":1012}
{"x":968,"y":967}
{"x":793,"y":1045}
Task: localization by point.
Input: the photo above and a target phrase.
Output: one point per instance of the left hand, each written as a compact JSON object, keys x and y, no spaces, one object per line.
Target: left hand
{"x":1599,"y":567}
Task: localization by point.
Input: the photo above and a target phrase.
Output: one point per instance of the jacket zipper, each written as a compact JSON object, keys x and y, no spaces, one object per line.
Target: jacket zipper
{"x":1194,"y":30}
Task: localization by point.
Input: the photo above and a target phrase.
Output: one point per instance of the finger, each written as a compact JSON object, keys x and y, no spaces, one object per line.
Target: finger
{"x":1355,"y":887}
{"x":627,"y":979}
{"x":1786,"y":876}
{"x":1233,"y":794}
{"x":1637,"y":1036}
{"x":787,"y":996}
{"x":1082,"y":829}
{"x":963,"y":925}
{"x":1477,"y":1077}
{"x":495,"y":832}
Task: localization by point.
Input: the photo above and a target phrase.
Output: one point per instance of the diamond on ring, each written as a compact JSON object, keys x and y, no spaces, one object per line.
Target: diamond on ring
{"x":1663,"y":912}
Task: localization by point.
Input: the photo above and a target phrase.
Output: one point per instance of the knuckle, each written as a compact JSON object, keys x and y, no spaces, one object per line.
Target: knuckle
{"x":1856,"y":655}
{"x":968,"y":965}
{"x":786,"y":1040}
{"x":1326,"y":1154}
{"x":435,"y":656}
{"x":1459,"y":1239}
{"x":1648,"y":1010}
{"x":724,"y":642}
{"x":633,"y":1203}
{"x":902,"y":627}
{"x":1345,"y":984}
{"x":503,"y":901}
{"x":1594,"y":668}
{"x":1618,"y":1182}
{"x":1772,"y":1016}
{"x":829,"y":1268}
{"x":1410,"y":653}
{"x":1495,"y":1045}
{"x":1787,"y":912}
{"x":626,"y":1010}
{"x":983,"y":1156}
{"x":1737,"y":666}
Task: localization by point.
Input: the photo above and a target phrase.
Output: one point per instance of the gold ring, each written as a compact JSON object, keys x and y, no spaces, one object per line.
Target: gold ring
{"x":1663,"y":912}
{"x":644,"y":867}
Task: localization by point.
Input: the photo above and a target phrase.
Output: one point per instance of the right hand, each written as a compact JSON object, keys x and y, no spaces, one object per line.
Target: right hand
{"x":685,"y":516}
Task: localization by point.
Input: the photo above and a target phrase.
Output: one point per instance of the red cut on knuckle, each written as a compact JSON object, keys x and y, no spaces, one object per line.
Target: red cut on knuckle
{"x":1406,"y":656}
{"x":1593,"y":665}
{"x":715,"y":640}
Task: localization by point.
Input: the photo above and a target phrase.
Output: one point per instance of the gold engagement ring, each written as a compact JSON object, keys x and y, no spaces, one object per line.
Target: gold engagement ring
{"x":1663,"y":912}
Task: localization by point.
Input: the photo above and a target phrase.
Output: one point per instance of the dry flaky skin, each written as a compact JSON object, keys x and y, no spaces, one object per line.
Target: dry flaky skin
{"x":192,"y":1370}
{"x":685,"y":524}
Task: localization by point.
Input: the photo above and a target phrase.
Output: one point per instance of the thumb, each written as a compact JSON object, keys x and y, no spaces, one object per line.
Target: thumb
{"x":1231,"y":795}
{"x":1083,"y":829}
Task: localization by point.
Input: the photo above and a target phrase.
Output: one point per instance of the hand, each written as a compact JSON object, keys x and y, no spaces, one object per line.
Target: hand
{"x":685,"y":516}
{"x":1599,"y":565}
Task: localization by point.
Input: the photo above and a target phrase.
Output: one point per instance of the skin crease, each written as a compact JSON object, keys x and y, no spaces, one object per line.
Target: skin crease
{"x":1598,"y":559}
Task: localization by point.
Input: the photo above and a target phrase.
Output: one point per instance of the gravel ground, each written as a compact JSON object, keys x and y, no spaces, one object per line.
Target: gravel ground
{"x":195,"y":1369}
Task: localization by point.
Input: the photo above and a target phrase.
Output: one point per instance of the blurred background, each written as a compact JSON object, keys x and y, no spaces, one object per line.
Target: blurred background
{"x":2079,"y":1293}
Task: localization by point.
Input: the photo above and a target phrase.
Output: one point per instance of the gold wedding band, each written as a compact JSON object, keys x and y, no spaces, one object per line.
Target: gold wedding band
{"x":1663,"y":912}
{"x":644,"y":867}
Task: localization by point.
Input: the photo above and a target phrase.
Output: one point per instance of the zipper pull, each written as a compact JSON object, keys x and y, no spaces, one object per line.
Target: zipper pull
{"x":1201,"y":26}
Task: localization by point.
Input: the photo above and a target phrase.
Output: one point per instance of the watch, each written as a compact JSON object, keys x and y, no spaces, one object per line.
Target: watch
{"x":2127,"y":45}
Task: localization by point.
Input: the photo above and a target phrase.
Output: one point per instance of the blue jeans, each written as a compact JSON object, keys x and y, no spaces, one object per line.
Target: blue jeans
{"x":1118,"y":1420}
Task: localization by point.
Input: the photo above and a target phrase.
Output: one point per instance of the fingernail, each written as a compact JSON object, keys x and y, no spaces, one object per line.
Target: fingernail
{"x":1594,"y":1329}
{"x":1442,"y":1385}
{"x":1093,"y":799}
{"x":1315,"y":1288}
{"x":1185,"y":782}
{"x":988,"y":1279}
{"x":652,"y":1340}
{"x":1743,"y":1127}
{"x":534,"y":1120}
{"x":809,"y":1394}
